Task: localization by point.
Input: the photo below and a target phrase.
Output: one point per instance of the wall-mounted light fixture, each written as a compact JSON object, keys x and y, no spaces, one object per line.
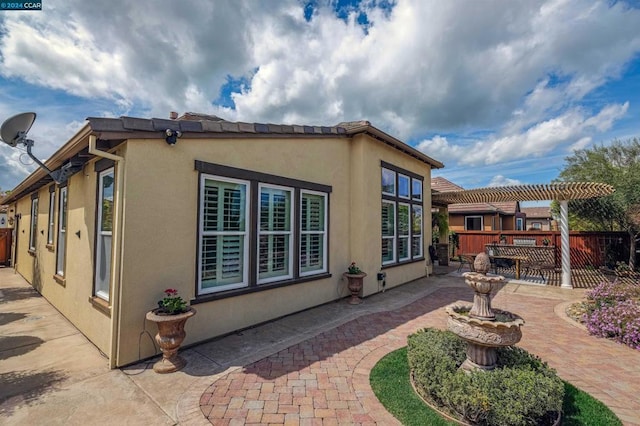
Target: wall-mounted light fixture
{"x":172,"y":136}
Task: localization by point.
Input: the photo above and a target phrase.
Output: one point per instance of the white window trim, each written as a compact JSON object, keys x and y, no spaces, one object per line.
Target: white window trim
{"x":413,"y":196}
{"x":105,"y":295}
{"x":409,"y":234}
{"x":290,"y":233}
{"x":395,"y":234}
{"x":536,"y":225}
{"x":473,"y":217}
{"x":201,"y":233}
{"x":324,"y":235}
{"x":395,"y":183}
{"x":62,"y":232}
{"x":519,"y":224}
{"x":408,"y":196}
{"x":421,"y":236}
{"x":33,"y":233}
{"x":51,"y":229}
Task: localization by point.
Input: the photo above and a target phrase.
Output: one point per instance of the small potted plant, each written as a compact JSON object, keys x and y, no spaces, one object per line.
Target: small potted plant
{"x":545,"y":241}
{"x":355,"y":278}
{"x":170,"y":316}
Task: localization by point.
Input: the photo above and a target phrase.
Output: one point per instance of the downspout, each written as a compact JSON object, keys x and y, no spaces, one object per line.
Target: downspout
{"x":115,"y":296}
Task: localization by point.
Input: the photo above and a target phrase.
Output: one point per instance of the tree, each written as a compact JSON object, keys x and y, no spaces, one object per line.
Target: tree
{"x":617,"y":164}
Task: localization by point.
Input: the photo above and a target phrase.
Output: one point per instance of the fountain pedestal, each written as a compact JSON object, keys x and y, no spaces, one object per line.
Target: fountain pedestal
{"x":483,"y":328}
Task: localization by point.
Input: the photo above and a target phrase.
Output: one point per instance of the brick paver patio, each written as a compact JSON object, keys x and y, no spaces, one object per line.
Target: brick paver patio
{"x":325,"y":379}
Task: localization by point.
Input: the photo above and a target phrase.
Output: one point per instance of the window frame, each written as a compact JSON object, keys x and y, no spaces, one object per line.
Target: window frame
{"x":519,"y":224}
{"x":466,"y":228}
{"x":324,"y":233}
{"x":51,"y":228}
{"x":104,"y":294}
{"x":290,"y":233}
{"x":33,"y":224}
{"x":395,"y":184}
{"x":201,"y":234}
{"x":256,"y":180}
{"x":536,"y":225}
{"x":411,"y":200}
{"x":63,"y":211}
{"x":394,"y":244}
{"x":402,"y":176}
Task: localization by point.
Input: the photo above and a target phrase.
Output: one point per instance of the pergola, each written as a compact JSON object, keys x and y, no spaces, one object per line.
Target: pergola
{"x":561,"y":191}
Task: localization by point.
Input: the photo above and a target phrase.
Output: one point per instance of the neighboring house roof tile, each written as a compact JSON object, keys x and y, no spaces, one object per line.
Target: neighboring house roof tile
{"x":537,"y":212}
{"x":441,"y":184}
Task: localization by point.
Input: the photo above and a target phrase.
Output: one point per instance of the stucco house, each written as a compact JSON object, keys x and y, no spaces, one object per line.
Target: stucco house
{"x":539,"y":218}
{"x":248,"y":221}
{"x":496,"y":216}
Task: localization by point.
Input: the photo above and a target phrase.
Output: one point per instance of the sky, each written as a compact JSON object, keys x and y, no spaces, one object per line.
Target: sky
{"x":501,"y":92}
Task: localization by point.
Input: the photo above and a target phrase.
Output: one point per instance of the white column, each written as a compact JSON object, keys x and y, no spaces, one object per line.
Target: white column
{"x":564,"y":242}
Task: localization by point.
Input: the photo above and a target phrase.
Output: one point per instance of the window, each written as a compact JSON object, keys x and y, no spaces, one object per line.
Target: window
{"x":416,"y":224}
{"x":388,"y":182}
{"x":104,"y":232}
{"x":224,"y":241}
{"x":275,"y":242}
{"x":416,"y":189}
{"x":258,"y":230}
{"x":519,"y":224}
{"x":388,"y":232}
{"x":34,"y":224}
{"x":473,"y":223}
{"x":401,"y":215}
{"x":52,"y":212}
{"x":536,"y":225}
{"x":62,"y":230}
{"x":403,"y":186}
{"x":313,"y":233}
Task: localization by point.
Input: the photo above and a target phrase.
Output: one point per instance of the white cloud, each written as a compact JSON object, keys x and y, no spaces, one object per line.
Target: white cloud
{"x":500,"y":180}
{"x":515,"y":72}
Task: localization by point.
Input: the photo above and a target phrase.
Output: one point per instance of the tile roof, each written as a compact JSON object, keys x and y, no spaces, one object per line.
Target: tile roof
{"x":537,"y":212}
{"x":202,"y":123}
{"x":441,"y":184}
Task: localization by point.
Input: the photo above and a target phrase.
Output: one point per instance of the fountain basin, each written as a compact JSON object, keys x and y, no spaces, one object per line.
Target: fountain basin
{"x":502,"y":332}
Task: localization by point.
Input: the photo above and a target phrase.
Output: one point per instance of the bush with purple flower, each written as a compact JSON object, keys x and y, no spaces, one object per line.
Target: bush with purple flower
{"x":615,"y":312}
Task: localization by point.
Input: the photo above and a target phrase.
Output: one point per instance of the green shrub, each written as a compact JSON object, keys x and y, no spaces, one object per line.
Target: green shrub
{"x":522,"y":390}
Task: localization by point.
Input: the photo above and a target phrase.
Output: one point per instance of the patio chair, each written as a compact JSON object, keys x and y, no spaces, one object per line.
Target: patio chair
{"x":539,"y":267}
{"x":466,"y":259}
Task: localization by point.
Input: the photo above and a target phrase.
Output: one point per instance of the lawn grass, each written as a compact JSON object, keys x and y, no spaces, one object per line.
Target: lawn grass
{"x":390,"y":382}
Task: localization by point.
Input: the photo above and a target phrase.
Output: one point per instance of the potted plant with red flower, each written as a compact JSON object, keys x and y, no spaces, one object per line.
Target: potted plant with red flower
{"x":355,"y":278}
{"x":170,"y":316}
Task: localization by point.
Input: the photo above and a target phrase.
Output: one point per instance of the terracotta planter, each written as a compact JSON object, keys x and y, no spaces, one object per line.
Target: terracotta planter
{"x":170,"y":336}
{"x":355,"y":286}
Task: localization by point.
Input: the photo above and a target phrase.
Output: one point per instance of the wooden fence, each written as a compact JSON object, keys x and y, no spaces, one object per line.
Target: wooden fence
{"x":5,"y":246}
{"x":586,"y":248}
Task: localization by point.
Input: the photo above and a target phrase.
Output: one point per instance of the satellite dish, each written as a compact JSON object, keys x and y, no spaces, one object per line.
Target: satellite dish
{"x":14,"y":130}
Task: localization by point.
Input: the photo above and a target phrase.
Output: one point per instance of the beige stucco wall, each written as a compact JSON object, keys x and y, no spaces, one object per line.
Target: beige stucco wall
{"x":70,"y":297}
{"x":160,"y":227}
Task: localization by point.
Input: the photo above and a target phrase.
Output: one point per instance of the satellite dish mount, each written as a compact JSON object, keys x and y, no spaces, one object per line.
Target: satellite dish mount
{"x":14,"y":131}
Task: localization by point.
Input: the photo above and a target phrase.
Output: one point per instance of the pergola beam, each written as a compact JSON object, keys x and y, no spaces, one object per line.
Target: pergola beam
{"x":560,"y":191}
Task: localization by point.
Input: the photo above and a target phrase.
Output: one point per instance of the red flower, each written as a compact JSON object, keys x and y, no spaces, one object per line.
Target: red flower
{"x":171,"y":291}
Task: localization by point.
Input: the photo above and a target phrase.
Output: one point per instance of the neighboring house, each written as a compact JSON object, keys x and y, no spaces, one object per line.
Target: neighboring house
{"x":248,"y":221}
{"x":503,"y":216}
{"x":538,"y":218}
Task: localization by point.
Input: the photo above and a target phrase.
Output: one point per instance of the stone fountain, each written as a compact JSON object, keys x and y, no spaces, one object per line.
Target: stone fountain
{"x":484,"y":329}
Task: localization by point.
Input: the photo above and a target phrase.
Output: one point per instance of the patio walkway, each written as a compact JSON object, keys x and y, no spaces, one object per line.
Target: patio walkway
{"x":308,"y":368}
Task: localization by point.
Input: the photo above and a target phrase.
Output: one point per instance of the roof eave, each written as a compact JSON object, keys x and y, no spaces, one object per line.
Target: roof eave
{"x":396,"y":143}
{"x":70,"y":148}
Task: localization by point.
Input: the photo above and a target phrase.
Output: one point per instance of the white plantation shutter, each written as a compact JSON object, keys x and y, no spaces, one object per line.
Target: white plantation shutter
{"x":403,"y":231}
{"x":416,"y":231}
{"x":274,"y":234}
{"x":388,"y":232}
{"x":312,"y":233}
{"x":224,"y":237}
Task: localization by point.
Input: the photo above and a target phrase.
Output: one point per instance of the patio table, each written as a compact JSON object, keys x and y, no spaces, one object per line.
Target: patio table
{"x":516,"y":259}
